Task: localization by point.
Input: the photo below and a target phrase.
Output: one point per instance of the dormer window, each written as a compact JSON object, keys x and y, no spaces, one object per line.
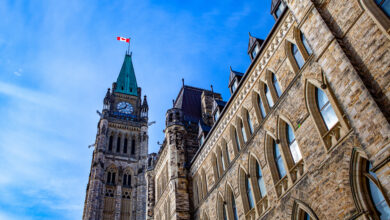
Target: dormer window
{"x":255,"y":51}
{"x":280,"y":9}
{"x":234,"y":86}
{"x":216,"y":116}
{"x":201,"y":141}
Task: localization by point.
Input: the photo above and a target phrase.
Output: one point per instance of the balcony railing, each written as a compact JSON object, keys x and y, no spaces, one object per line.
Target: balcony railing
{"x":281,"y":186}
{"x":262,"y":205}
{"x":251,"y":215}
{"x":296,"y":171}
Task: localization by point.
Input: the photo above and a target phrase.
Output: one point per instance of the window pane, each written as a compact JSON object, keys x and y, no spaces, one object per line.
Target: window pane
{"x":306,"y":216}
{"x":237,"y":141}
{"x":293,"y":145}
{"x":243,"y":132}
{"x":262,"y":110}
{"x":329,"y":116}
{"x":217,"y":168}
{"x":224,"y":212}
{"x":260,"y":181}
{"x":322,"y":99}
{"x":298,"y":56}
{"x":326,"y":110}
{"x":249,"y":122}
{"x":235,"y":214}
{"x":386,"y":7}
{"x":249,"y":193}
{"x":227,"y":153}
{"x":276,"y":85}
{"x":377,"y":197}
{"x":306,"y":44}
{"x":222,"y":161}
{"x":269,"y":96}
{"x":279,"y":161}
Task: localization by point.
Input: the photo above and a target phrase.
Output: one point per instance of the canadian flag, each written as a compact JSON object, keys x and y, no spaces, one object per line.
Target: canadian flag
{"x":127,"y":40}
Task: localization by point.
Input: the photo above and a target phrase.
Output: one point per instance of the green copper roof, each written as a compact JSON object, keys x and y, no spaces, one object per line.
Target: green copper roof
{"x":126,"y":82}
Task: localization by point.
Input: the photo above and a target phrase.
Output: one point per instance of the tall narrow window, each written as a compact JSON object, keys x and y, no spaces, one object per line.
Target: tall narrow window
{"x":124,"y":180}
{"x":249,"y":192}
{"x":237,"y":140}
{"x":292,"y":144}
{"x":376,"y":195}
{"x":297,"y":55}
{"x":306,"y":44}
{"x":260,"y":180}
{"x":111,"y":178}
{"x":224,"y":211}
{"x":384,"y":5}
{"x":306,"y":216}
{"x":243,"y":132}
{"x":278,"y":160}
{"x":248,"y":118}
{"x":227,"y":154}
{"x":133,"y":146}
{"x":216,"y":168}
{"x":268,"y":95}
{"x":222,"y":161}
{"x":328,"y":115}
{"x":110,"y":143}
{"x":276,"y":85}
{"x":108,"y":177}
{"x":261,"y":106}
{"x":118,"y":145}
{"x":125,"y":146}
{"x":234,"y":207}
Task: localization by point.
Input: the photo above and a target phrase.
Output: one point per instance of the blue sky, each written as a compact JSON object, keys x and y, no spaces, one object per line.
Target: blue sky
{"x":57,"y":59}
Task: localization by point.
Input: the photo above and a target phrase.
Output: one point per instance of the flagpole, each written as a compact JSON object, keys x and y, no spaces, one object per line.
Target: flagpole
{"x":128,"y":49}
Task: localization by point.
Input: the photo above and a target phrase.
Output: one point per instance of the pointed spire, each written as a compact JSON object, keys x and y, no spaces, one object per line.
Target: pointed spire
{"x":126,"y":82}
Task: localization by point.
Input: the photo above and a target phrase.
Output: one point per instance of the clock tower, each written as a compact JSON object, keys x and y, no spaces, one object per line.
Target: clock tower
{"x":117,"y":188}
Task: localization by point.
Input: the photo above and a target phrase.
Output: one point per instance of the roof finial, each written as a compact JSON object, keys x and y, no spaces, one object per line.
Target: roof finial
{"x":211,"y":86}
{"x":231,"y":68}
{"x":249,"y":34}
{"x":182,"y":80}
{"x":173,"y":103}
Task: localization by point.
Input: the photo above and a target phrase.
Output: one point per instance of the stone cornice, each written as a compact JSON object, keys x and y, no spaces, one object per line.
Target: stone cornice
{"x":244,"y":90}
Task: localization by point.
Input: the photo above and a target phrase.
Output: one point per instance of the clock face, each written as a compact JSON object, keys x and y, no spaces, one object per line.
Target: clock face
{"x":124,"y":107}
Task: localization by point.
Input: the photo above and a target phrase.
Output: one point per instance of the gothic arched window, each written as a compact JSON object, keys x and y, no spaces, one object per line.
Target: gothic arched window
{"x":237,"y":141}
{"x":111,"y":177}
{"x":233,"y":207}
{"x":292,"y":144}
{"x":278,"y":160}
{"x":249,"y":193}
{"x":133,"y":146}
{"x":297,"y":56}
{"x":378,"y":200}
{"x":276,"y":85}
{"x":302,"y":212}
{"x":306,"y":44}
{"x":261,"y":106}
{"x":110,"y":143}
{"x":125,"y":146}
{"x":325,"y":108}
{"x":250,"y":124}
{"x":227,"y":153}
{"x":243,"y":133}
{"x":126,"y":179}
{"x":268,"y":95}
{"x":118,"y":145}
{"x":260,"y":180}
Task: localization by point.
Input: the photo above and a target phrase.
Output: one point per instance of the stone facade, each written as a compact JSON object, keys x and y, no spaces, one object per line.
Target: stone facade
{"x":117,"y":184}
{"x":305,"y":133}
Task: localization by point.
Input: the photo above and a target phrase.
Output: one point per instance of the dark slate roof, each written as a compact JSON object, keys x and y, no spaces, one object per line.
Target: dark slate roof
{"x":234,"y":74}
{"x":252,"y":41}
{"x":189,"y":100}
{"x":203,"y":129}
{"x":274,"y":3}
